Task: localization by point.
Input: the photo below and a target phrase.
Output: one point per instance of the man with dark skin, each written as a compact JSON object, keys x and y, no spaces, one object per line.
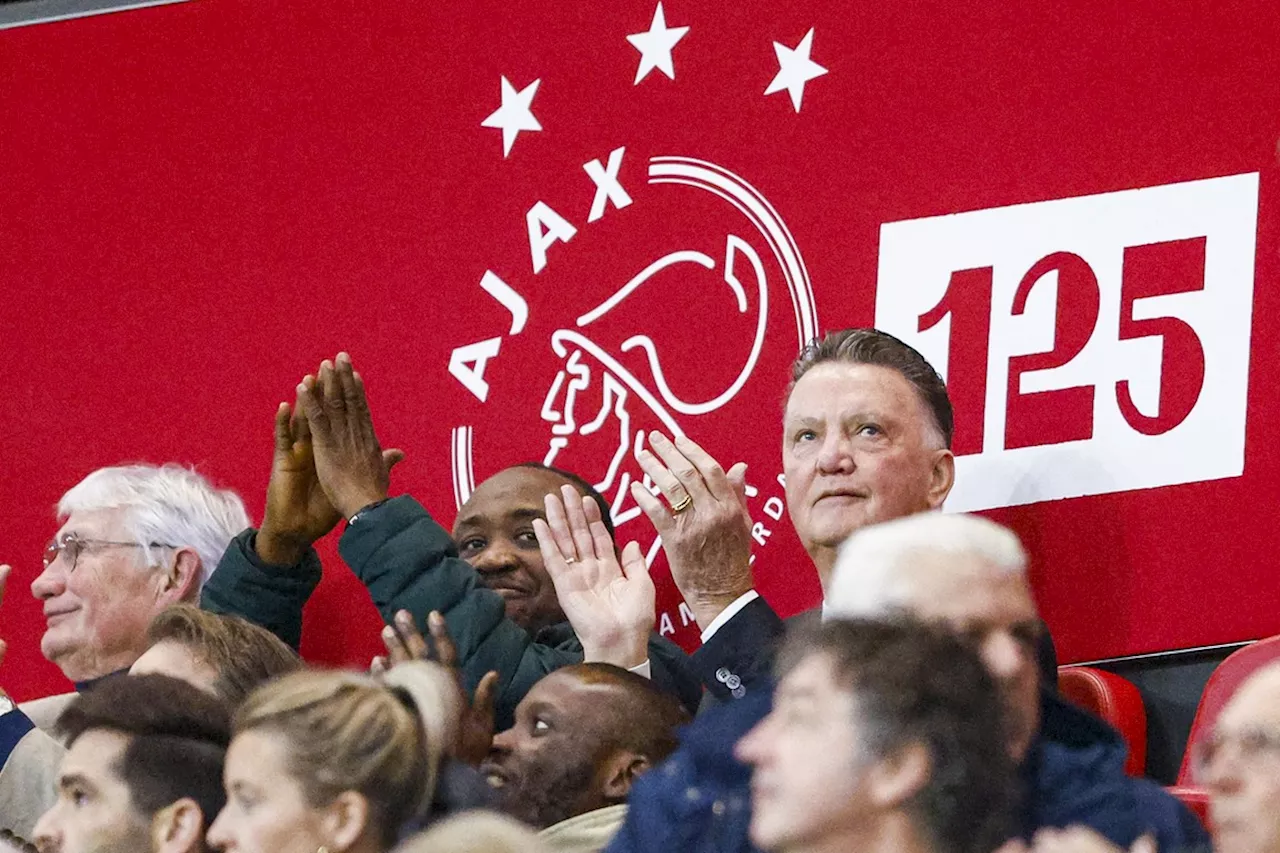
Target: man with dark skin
{"x":581,"y":737}
{"x":487,"y":580}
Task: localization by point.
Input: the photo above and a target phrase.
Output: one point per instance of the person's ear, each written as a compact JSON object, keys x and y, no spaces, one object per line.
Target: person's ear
{"x":181,"y":577}
{"x":345,"y":820}
{"x":178,"y":828}
{"x":620,"y":773}
{"x":897,"y":778}
{"x":941,"y":478}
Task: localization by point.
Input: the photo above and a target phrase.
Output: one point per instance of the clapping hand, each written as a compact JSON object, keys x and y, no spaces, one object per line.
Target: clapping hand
{"x":405,"y":642}
{"x":610,"y":603}
{"x":351,"y":466}
{"x":706,"y":533}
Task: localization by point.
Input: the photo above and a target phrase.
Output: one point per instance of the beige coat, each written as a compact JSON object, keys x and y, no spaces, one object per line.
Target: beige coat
{"x":586,"y":833}
{"x":29,"y":777}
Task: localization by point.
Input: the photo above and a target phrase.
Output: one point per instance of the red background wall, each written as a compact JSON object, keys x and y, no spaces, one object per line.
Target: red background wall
{"x":201,"y":201}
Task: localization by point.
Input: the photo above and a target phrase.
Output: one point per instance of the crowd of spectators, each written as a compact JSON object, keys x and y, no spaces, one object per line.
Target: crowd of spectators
{"x":525,"y":702}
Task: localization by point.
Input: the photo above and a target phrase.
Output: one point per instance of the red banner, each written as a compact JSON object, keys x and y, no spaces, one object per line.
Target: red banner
{"x":543,"y":230}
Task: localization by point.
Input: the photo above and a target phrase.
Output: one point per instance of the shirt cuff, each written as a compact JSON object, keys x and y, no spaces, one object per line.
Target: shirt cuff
{"x":729,"y":612}
{"x":643,"y":669}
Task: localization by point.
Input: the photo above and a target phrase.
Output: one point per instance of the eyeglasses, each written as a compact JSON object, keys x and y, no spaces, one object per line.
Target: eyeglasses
{"x":1253,"y":745}
{"x":73,"y":546}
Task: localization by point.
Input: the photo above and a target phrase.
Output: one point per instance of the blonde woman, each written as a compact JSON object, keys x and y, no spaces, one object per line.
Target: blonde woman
{"x":335,"y":762}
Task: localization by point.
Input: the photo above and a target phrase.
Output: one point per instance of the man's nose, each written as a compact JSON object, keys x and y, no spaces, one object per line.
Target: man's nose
{"x":1003,"y":655}
{"x":495,"y":558}
{"x":503,"y":742}
{"x":1220,"y":774}
{"x":754,"y":746}
{"x":45,"y":840}
{"x":51,"y":582}
{"x":836,"y":455}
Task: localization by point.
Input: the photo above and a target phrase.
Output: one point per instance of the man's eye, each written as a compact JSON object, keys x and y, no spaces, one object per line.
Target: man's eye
{"x":805,"y":435}
{"x":527,"y":537}
{"x":870,"y":429}
{"x":541,"y":726}
{"x":78,"y":796}
{"x":472,"y":544}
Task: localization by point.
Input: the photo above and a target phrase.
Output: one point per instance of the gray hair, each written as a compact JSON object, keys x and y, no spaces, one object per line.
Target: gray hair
{"x":871,"y":577}
{"x":169,"y":505}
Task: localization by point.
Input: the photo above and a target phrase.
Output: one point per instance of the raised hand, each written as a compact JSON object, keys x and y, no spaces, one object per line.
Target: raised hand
{"x":611,"y":604}
{"x":350,"y":464}
{"x":706,"y":533}
{"x":405,"y":642}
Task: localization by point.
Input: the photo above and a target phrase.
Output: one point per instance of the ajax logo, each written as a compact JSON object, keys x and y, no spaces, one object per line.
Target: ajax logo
{"x":602,"y":399}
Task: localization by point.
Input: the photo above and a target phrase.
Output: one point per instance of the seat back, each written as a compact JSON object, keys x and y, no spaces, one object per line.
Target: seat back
{"x":1218,"y":691}
{"x":1116,"y":701}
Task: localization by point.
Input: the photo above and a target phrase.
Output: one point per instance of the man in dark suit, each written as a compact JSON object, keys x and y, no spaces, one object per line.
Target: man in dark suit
{"x":866,"y":438}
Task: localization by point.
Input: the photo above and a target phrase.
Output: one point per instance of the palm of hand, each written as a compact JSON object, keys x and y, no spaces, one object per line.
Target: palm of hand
{"x":605,"y":611}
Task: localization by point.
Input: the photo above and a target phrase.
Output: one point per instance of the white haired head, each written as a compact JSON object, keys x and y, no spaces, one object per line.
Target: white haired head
{"x":168,"y":505}
{"x":872,"y":575}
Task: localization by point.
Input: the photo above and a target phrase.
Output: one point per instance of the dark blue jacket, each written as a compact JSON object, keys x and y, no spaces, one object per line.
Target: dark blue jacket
{"x":699,"y":799}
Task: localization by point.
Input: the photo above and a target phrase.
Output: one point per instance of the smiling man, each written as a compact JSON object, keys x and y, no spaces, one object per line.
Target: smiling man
{"x":133,"y":540}
{"x":581,"y":738}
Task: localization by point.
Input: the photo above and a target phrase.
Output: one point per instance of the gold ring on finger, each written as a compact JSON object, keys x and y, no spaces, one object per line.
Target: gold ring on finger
{"x":683,"y":504}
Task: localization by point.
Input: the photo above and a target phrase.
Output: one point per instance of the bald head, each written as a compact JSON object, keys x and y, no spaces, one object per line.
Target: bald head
{"x":1240,"y":765}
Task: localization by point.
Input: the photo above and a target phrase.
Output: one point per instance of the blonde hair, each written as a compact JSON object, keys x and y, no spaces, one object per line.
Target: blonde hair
{"x":347,"y":731}
{"x":475,"y":832}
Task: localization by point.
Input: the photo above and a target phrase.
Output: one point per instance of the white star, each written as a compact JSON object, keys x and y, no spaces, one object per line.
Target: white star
{"x":514,"y":115}
{"x":655,"y":46}
{"x":795,"y":68}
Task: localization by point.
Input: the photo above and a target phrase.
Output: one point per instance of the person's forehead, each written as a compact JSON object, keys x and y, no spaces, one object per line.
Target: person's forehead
{"x":95,"y":755}
{"x":94,"y":523}
{"x":1256,"y":702}
{"x":838,"y":387}
{"x":568,"y":689}
{"x":509,"y":491}
{"x":964,"y":589}
{"x":813,"y":677}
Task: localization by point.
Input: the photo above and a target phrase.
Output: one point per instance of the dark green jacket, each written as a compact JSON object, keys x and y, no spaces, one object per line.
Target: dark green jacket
{"x":408,"y":562}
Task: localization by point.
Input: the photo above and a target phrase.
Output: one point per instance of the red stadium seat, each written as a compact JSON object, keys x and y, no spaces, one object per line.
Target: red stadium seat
{"x":1222,"y":685}
{"x":1115,"y":700}
{"x":1196,"y":799}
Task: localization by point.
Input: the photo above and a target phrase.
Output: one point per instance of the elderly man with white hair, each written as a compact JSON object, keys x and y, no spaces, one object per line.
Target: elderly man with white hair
{"x":133,"y":540}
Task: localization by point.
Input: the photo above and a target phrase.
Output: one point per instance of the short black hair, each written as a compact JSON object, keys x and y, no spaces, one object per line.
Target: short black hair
{"x":647,"y":716}
{"x":915,"y":683}
{"x":582,"y":485}
{"x":880,"y":349}
{"x":178,"y":738}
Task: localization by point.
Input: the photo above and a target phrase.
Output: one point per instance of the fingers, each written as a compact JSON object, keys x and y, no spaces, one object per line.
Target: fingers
{"x":578,"y":528}
{"x":657,"y":514}
{"x":392,"y":458}
{"x":283,"y":430}
{"x":353,"y":396}
{"x":558,"y":526}
{"x":379,"y":666}
{"x":396,"y":651}
{"x":5,"y":568}
{"x":414,"y":642}
{"x":709,"y":469}
{"x":633,"y":563}
{"x":446,"y":649}
{"x":737,"y":478}
{"x":486,"y":693}
{"x":602,"y":542}
{"x":667,"y":482}
{"x":331,"y":390}
{"x":310,"y":395}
